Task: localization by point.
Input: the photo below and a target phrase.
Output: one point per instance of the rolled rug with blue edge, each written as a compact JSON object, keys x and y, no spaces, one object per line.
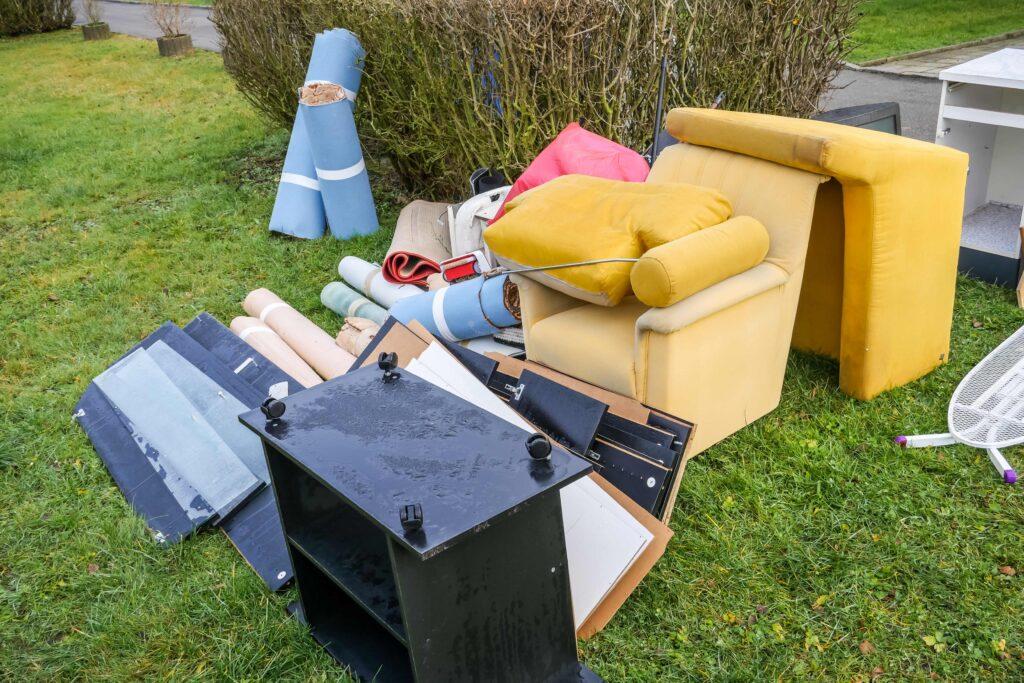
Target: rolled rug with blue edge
{"x":337,"y":57}
{"x":344,"y":183}
{"x":348,"y":303}
{"x":466,"y":310}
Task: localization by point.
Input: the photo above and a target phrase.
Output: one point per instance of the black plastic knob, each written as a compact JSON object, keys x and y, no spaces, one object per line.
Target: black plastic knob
{"x":388,"y":362}
{"x":273,"y":408}
{"x":538,"y":446}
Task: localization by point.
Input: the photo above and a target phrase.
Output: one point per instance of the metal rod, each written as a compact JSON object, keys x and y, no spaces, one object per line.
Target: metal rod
{"x":502,"y":270}
{"x":655,"y":146}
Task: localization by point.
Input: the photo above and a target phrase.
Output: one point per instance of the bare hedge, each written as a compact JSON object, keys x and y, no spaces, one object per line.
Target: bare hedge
{"x":451,"y":85}
{"x":34,"y":16}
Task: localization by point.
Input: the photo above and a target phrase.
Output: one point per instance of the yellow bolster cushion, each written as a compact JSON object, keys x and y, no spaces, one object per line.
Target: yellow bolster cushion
{"x":677,"y":269}
{"x":577,"y":218}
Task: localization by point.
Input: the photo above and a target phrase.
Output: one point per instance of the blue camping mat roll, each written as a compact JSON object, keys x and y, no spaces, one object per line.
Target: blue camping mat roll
{"x":466,"y":310}
{"x":337,"y":57}
{"x":344,"y":183}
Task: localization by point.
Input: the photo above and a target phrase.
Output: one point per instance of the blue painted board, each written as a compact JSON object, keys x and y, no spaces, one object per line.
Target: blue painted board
{"x":255,"y":530}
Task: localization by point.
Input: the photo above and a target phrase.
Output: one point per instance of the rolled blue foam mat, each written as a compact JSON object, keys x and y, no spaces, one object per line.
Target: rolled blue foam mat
{"x":466,"y":310}
{"x":337,"y":57}
{"x":344,"y":182}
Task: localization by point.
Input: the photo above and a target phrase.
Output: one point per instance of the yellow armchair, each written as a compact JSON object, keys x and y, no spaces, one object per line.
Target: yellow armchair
{"x":869,"y":221}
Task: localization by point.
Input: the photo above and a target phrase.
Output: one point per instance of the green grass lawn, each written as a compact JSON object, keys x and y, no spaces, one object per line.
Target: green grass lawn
{"x":135,"y":189}
{"x":893,"y":27}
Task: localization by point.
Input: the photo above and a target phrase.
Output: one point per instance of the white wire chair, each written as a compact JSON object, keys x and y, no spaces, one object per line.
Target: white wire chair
{"x":987,"y":408}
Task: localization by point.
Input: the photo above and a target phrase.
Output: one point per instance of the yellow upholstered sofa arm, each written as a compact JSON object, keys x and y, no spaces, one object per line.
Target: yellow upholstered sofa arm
{"x":847,"y":153}
{"x":675,"y":270}
{"x":717,"y":297}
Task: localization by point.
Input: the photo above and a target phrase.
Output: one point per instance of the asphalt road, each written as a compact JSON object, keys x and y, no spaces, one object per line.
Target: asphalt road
{"x":133,"y":19}
{"x":918,"y":97}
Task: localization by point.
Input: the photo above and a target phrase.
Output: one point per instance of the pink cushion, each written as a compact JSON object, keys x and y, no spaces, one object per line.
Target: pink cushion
{"x":576,"y":150}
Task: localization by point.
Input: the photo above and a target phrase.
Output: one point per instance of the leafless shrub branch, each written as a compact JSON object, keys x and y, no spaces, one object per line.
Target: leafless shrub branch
{"x":169,"y":16}
{"x":455,"y":84}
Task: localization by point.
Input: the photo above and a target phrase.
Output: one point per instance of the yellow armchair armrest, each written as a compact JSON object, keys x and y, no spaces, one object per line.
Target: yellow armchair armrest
{"x":673,"y":271}
{"x":718,"y":297}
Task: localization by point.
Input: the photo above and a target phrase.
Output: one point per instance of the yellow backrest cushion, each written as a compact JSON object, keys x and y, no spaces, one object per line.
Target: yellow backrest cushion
{"x":581,"y":218}
{"x":677,"y":269}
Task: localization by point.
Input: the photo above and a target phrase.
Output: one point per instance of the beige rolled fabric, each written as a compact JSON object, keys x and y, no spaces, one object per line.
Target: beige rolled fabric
{"x":311,"y":343}
{"x":419,"y":245}
{"x":356,"y":334}
{"x":436,"y":282}
{"x":265,"y":340}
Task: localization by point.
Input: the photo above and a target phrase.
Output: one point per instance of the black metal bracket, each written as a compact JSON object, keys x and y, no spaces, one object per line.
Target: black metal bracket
{"x":388,"y":362}
{"x":412,"y":517}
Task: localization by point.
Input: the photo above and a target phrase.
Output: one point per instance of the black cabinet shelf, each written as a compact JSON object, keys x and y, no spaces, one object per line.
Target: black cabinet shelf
{"x":347,"y":631}
{"x":359,"y":566}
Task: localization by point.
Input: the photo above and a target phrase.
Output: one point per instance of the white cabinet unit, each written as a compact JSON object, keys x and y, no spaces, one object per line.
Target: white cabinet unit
{"x":982,"y":113}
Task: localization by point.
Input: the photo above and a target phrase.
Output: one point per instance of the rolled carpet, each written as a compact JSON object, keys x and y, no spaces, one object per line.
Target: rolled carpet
{"x":344,"y":183}
{"x":337,"y":57}
{"x":356,"y":334}
{"x":260,"y":337}
{"x":465,"y":310}
{"x":311,"y":343}
{"x":347,"y":303}
{"x":420,"y":243}
{"x":368,"y":279}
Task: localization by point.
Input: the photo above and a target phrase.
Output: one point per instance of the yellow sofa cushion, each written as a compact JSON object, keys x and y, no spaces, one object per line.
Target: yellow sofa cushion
{"x":581,"y":218}
{"x":675,"y":270}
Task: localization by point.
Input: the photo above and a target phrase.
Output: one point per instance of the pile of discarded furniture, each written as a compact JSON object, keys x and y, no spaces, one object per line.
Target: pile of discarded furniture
{"x":499,"y":429}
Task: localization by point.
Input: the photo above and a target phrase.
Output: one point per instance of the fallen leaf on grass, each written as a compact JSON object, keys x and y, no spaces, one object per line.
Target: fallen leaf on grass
{"x":977,"y":324}
{"x":92,"y":568}
{"x":866,"y":648}
{"x":1007,"y":570}
{"x":52,"y":297}
{"x":936,"y":642}
{"x":876,"y":673}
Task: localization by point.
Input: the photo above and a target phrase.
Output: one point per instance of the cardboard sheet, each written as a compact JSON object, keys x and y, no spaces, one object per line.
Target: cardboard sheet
{"x":602,"y":539}
{"x":603,"y":588}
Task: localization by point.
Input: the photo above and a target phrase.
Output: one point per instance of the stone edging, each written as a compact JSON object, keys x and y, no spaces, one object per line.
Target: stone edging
{"x":935,"y":50}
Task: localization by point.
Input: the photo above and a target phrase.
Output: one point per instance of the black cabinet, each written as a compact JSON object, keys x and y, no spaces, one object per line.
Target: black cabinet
{"x":480,"y":591}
